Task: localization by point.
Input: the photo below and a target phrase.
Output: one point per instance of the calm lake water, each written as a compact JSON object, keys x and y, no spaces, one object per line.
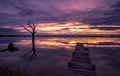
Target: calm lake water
{"x":54,"y":53}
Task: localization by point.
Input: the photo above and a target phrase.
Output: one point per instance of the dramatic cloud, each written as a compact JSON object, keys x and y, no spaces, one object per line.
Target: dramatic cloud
{"x":9,"y":31}
{"x":106,"y":16}
{"x":15,"y":12}
{"x":106,"y":28}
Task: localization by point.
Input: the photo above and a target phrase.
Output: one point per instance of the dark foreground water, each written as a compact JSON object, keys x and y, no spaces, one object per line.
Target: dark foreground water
{"x":53,"y":54}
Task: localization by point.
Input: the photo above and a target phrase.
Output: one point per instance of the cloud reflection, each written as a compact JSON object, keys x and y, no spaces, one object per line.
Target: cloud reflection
{"x":69,"y":43}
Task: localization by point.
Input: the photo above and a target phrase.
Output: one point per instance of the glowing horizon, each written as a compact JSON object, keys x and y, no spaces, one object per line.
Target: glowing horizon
{"x":72,"y":28}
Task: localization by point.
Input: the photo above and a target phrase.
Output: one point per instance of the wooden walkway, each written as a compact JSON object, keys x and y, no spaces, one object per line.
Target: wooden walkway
{"x":81,"y":64}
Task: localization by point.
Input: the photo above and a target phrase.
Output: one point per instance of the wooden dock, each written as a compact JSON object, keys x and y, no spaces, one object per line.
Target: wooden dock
{"x":81,"y":64}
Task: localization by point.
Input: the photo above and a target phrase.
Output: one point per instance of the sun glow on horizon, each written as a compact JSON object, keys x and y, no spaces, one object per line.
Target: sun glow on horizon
{"x":72,"y":28}
{"x":76,"y":28}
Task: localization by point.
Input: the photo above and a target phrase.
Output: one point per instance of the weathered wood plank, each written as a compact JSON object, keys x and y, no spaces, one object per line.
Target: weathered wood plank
{"x":81,"y":64}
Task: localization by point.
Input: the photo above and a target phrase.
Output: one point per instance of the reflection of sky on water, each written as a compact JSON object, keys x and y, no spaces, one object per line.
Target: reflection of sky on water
{"x":107,"y":60}
{"x":104,"y":53}
{"x":69,"y":43}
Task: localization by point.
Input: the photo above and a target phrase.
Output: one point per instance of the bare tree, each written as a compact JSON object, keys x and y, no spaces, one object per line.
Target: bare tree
{"x":32,"y":29}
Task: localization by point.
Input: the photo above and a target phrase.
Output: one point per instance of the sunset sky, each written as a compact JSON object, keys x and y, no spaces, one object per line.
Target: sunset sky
{"x":61,"y":16}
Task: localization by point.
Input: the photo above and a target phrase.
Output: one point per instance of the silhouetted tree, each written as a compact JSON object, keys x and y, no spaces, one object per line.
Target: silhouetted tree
{"x":32,"y":29}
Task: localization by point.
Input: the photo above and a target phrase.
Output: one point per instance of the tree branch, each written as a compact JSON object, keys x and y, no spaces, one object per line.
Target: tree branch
{"x":29,"y":24}
{"x":33,"y":25}
{"x":26,"y":29}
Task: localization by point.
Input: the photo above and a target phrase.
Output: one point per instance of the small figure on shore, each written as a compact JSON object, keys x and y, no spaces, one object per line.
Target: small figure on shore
{"x":11,"y":47}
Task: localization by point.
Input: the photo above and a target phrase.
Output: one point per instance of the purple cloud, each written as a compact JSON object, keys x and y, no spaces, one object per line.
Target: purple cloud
{"x":14,"y":12}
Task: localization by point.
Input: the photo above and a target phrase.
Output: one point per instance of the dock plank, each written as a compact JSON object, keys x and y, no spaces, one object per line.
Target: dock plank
{"x":81,"y":64}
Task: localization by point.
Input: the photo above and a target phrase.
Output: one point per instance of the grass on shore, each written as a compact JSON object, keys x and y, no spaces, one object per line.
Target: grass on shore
{"x":6,"y":70}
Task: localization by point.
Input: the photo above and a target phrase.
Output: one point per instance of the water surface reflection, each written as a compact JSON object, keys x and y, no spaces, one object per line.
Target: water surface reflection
{"x":69,"y":43}
{"x":53,"y":54}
